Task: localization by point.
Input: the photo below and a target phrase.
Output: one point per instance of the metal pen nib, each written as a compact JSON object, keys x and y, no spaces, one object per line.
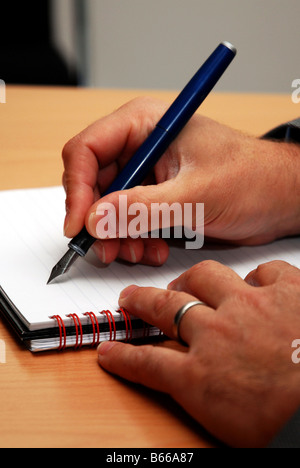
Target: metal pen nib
{"x":63,"y":265}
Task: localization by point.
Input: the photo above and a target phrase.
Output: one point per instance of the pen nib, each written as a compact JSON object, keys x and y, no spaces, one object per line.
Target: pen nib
{"x":63,"y":265}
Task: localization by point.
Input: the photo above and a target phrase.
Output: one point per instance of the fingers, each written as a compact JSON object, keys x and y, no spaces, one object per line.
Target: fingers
{"x":159,"y":308}
{"x":137,"y":211}
{"x":209,"y":281}
{"x":79,"y":181}
{"x":82,"y":157}
{"x":272,"y":272}
{"x":105,"y":146}
{"x":107,"y":251}
{"x":153,"y":252}
{"x":153,"y":367}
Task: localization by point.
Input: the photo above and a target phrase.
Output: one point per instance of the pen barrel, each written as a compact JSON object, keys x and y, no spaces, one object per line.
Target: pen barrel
{"x":197,"y":89}
{"x":168,"y":128}
{"x":82,"y":243}
{"x":132,"y":175}
{"x":141,"y":163}
{"x":175,"y":119}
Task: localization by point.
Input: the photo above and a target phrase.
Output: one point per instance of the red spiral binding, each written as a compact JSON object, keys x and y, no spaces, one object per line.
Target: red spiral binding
{"x":96,"y":328}
{"x":62,"y":332}
{"x":128,"y":324}
{"x":78,"y":328}
{"x":112,"y":324}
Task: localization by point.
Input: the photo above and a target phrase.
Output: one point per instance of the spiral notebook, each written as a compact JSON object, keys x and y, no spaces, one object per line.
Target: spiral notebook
{"x":81,"y":309}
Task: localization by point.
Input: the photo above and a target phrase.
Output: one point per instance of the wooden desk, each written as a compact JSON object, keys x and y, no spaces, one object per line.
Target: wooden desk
{"x":65,"y":400}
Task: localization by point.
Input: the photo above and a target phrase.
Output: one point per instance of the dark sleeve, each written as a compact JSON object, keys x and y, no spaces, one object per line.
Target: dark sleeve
{"x":289,"y":132}
{"x":289,"y":437}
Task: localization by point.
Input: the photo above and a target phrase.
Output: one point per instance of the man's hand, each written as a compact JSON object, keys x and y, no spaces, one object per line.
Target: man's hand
{"x":237,"y":378}
{"x":250,"y":187}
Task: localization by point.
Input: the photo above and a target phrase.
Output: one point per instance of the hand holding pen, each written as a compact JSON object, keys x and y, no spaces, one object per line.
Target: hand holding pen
{"x":208,"y":163}
{"x":159,"y":139}
{"x":250,"y":195}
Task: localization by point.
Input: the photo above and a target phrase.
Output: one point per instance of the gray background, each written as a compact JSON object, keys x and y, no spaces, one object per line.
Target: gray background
{"x":159,"y":44}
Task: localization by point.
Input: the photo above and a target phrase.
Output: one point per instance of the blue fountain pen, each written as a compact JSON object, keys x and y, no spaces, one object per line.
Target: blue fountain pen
{"x":165,"y":132}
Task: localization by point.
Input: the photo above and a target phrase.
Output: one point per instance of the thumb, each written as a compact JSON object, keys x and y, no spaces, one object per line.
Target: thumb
{"x":135,"y":212}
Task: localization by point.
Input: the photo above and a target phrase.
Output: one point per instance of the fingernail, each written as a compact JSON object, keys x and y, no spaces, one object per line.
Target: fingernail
{"x":152,"y":255}
{"x":99,"y":250}
{"x":91,"y":224}
{"x":127,"y":292}
{"x":66,"y":225}
{"x":103,"y":223}
{"x":171,"y":285}
{"x":132,"y":254}
{"x":105,"y":347}
{"x":158,"y":257}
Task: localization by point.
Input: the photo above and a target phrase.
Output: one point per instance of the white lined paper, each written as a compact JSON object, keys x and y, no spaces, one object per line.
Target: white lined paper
{"x":32,"y":243}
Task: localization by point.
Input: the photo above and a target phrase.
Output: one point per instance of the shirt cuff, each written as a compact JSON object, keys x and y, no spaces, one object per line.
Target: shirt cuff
{"x":289,"y":437}
{"x":289,"y":132}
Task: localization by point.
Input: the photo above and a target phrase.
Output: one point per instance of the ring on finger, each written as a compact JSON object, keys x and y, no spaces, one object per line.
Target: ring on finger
{"x":179,"y":316}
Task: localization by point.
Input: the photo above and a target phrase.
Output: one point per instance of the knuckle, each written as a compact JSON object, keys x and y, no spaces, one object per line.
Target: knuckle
{"x":143,"y":107}
{"x":137,"y":194}
{"x":202,"y":270}
{"x":141,"y":102}
{"x":70,"y":146}
{"x":143,"y":195}
{"x":270,"y":265}
{"x":255,"y":299}
{"x":67,"y":150}
{"x":162,"y":302}
{"x":137,"y":104}
{"x":204,"y":267}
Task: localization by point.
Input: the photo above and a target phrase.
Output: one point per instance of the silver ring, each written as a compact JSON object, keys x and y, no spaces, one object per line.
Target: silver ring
{"x":179,"y":316}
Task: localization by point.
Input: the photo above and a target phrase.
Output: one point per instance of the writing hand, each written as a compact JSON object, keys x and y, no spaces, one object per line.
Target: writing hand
{"x":249,"y":186}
